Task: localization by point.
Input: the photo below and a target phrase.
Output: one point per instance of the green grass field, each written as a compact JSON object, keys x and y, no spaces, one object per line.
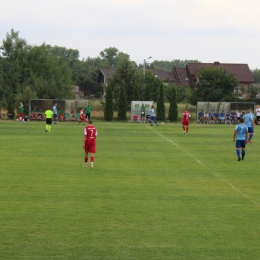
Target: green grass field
{"x":154,"y":193}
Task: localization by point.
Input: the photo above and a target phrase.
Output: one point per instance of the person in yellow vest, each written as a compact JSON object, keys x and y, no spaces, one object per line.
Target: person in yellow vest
{"x":49,"y":115}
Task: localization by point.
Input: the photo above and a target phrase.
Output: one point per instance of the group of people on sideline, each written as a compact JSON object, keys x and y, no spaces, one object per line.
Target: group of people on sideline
{"x":38,"y":114}
{"x":217,"y":117}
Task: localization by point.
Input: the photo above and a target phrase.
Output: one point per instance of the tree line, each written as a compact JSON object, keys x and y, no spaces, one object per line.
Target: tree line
{"x":49,"y":72}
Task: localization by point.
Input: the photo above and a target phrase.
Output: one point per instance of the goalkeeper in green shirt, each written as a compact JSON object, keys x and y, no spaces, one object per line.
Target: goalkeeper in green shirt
{"x":142,"y":113}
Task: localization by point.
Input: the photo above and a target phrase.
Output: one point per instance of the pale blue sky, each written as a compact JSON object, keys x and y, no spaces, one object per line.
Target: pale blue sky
{"x":208,"y":30}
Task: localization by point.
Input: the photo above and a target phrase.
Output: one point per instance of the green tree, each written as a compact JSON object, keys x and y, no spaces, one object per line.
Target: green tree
{"x":2,"y":84}
{"x":14,"y":62}
{"x":256,"y":75}
{"x":160,"y":104}
{"x":24,"y":96}
{"x":124,"y":72}
{"x":184,"y":93}
{"x":23,"y":65}
{"x":136,"y":94}
{"x":253,"y":91}
{"x":214,"y":84}
{"x":147,"y":93}
{"x":10,"y":106}
{"x":112,"y":56}
{"x":50,"y":75}
{"x":168,"y":65}
{"x":109,"y":55}
{"x":108,"y":111}
{"x":122,"y":104}
{"x":3,"y":103}
{"x":173,"y":109}
{"x":154,"y":83}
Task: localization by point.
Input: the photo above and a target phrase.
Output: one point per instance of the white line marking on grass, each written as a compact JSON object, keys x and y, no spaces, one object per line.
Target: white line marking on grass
{"x":217,"y":175}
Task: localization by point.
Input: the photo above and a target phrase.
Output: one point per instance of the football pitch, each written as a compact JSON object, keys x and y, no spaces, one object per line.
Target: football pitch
{"x":154,"y":193}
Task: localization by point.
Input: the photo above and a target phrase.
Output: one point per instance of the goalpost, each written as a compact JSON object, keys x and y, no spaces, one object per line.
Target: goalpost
{"x":67,"y":105}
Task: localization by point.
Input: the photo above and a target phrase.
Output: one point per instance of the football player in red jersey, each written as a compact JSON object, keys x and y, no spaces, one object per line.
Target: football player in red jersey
{"x":89,"y":142}
{"x":82,"y":117}
{"x":186,"y":121}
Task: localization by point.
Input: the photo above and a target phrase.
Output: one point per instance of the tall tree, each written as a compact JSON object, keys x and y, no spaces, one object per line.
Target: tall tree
{"x":122,"y":104}
{"x":50,"y":75}
{"x":109,"y":55}
{"x":215,"y":85}
{"x":256,"y":75}
{"x":136,"y":94}
{"x":154,"y":83}
{"x":147,"y":93}
{"x":14,"y":62}
{"x":124,"y":72}
{"x":173,"y":109}
{"x":160,"y":104}
{"x":108,"y":111}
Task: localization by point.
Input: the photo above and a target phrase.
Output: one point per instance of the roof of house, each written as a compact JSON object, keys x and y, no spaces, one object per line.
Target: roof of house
{"x":165,"y":76}
{"x":108,"y":72}
{"x":240,"y":71}
{"x":181,"y":76}
{"x":184,"y":76}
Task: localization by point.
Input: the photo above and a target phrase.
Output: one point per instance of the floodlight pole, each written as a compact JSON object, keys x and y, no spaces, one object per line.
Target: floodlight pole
{"x":144,"y":64}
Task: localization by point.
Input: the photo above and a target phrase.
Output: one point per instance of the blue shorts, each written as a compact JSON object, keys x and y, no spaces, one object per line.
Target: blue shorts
{"x":250,"y":130}
{"x":240,"y":144}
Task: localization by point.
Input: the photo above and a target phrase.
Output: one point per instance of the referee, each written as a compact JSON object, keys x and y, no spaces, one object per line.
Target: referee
{"x":48,"y":114}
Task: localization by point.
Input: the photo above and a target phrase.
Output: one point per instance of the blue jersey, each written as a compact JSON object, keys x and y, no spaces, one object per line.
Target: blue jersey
{"x":241,"y":130}
{"x":152,"y":112}
{"x":201,"y":114}
{"x":55,"y":110}
{"x":248,"y":118}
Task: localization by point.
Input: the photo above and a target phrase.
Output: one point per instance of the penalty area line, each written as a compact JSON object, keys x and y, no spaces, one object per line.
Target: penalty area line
{"x":207,"y":168}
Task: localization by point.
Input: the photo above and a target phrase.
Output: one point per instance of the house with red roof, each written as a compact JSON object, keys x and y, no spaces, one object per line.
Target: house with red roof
{"x":188,"y":75}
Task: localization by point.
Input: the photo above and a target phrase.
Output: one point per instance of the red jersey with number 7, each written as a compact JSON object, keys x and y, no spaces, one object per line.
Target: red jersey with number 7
{"x":90,"y":132}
